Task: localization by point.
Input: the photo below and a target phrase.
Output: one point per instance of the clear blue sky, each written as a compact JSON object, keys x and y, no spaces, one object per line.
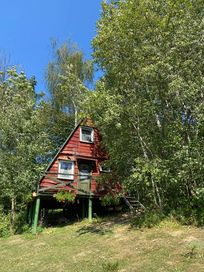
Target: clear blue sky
{"x":27,"y":27}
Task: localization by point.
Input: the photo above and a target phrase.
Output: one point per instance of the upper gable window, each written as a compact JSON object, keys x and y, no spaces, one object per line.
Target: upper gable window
{"x":86,"y":134}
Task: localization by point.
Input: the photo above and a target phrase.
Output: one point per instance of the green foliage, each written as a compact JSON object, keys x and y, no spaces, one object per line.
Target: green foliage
{"x":4,"y":224}
{"x":149,"y":103}
{"x":67,"y":76}
{"x":110,"y":200}
{"x":65,"y":196}
{"x":186,"y":216}
{"x":173,"y":219}
{"x":20,"y":222}
{"x":148,"y":219}
{"x":23,"y":141}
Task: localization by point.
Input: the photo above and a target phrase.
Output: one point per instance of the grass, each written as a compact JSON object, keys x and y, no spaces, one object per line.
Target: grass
{"x":112,"y":244}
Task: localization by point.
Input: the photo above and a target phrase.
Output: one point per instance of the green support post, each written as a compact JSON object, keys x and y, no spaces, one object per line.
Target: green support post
{"x":36,"y":215}
{"x":90,"y":209}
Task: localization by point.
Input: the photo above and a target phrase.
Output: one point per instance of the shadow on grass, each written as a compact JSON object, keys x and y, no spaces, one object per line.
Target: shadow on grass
{"x":97,"y":229}
{"x":105,"y":225}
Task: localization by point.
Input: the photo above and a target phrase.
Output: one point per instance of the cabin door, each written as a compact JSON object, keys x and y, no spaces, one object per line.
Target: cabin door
{"x":85,"y":171}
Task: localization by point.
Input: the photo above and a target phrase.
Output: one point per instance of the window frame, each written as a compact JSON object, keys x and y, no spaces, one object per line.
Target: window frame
{"x":92,"y":134}
{"x":104,"y":170}
{"x":68,"y":176}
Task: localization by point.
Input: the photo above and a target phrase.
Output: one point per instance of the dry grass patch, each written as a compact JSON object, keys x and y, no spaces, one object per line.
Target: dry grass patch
{"x":112,"y":244}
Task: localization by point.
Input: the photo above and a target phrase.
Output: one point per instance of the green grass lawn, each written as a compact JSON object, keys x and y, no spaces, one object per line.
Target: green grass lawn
{"x":110,"y":245}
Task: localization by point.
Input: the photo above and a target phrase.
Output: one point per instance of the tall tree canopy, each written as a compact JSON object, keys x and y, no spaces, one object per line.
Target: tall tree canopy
{"x":149,"y":104}
{"x":23,"y":140}
{"x":66,"y":76}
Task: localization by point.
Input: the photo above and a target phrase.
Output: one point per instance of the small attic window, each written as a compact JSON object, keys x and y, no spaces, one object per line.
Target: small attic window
{"x":86,"y":134}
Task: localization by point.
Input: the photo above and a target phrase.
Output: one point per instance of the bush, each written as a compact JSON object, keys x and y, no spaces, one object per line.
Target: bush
{"x":4,"y":224}
{"x":65,"y":196}
{"x":148,"y":219}
{"x":180,"y":216}
{"x":20,"y":224}
{"x":193,"y":216}
{"x":110,"y":200}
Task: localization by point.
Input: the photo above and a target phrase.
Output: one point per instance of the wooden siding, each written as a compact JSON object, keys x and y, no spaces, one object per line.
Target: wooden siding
{"x":73,"y":150}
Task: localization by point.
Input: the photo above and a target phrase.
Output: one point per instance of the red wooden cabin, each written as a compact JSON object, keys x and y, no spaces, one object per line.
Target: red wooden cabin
{"x":76,"y":164}
{"x":75,"y":168}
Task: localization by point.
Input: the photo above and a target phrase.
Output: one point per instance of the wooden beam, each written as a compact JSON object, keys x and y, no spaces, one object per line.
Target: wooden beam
{"x":63,"y":184}
{"x":57,"y":180}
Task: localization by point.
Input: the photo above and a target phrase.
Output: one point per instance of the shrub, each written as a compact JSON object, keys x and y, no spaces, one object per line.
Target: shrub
{"x":148,"y":219}
{"x":20,"y":224}
{"x":110,"y":200}
{"x":65,"y":196}
{"x":4,"y":224}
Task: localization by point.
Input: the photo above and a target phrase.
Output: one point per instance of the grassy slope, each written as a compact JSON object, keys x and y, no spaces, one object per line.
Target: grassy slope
{"x":111,"y":245}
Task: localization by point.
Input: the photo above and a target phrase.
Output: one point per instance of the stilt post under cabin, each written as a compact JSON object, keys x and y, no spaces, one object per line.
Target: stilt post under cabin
{"x":36,"y":214}
{"x":90,"y":201}
{"x":90,"y":208}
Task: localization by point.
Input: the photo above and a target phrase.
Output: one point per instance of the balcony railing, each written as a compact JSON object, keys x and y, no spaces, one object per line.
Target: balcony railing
{"x":80,"y":183}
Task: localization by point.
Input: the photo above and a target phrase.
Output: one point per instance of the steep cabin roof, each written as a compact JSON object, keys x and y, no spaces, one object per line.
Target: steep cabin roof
{"x":74,"y":148}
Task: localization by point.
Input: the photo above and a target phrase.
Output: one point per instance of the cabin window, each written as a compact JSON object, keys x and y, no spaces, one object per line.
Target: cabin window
{"x":66,"y":169}
{"x":86,"y":134}
{"x":86,"y":168}
{"x":104,"y":168}
{"x":89,"y":165}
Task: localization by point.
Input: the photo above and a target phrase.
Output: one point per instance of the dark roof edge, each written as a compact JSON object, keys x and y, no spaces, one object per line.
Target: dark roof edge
{"x":68,"y":138}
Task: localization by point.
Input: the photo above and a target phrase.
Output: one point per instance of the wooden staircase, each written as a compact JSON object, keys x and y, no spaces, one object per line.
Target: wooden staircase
{"x":133,"y":204}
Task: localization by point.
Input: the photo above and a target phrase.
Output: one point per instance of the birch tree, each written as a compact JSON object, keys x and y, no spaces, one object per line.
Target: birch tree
{"x":67,"y":77}
{"x":149,"y":103}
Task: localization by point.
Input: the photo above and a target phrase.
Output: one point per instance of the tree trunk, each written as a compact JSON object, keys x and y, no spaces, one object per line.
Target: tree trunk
{"x":145,"y":149}
{"x":75,"y":114}
{"x":13,"y":211}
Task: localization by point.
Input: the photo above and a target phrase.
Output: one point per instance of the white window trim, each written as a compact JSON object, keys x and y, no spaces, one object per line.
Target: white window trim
{"x":92,"y":134}
{"x":69,"y":176}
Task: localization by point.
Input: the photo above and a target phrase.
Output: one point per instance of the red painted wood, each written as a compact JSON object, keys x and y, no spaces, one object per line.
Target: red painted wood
{"x":75,"y":149}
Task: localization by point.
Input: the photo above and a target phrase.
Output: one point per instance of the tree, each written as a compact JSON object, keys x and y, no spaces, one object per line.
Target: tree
{"x":4,"y":64}
{"x":66,"y":76}
{"x":149,"y":103}
{"x":23,"y":140}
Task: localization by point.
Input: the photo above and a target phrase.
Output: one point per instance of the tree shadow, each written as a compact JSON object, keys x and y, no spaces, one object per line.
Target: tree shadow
{"x":106,"y":225}
{"x":96,"y":229}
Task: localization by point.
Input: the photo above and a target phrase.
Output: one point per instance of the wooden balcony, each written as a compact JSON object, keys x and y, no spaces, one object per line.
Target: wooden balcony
{"x":80,"y":184}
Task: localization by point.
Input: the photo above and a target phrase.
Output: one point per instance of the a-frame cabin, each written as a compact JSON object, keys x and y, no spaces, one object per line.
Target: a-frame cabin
{"x":74,"y":169}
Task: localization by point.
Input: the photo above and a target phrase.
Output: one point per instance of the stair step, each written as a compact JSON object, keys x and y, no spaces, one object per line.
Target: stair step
{"x":132,"y":203}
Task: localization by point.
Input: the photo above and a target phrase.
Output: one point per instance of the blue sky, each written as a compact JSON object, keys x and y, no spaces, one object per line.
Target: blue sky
{"x":28,"y":26}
